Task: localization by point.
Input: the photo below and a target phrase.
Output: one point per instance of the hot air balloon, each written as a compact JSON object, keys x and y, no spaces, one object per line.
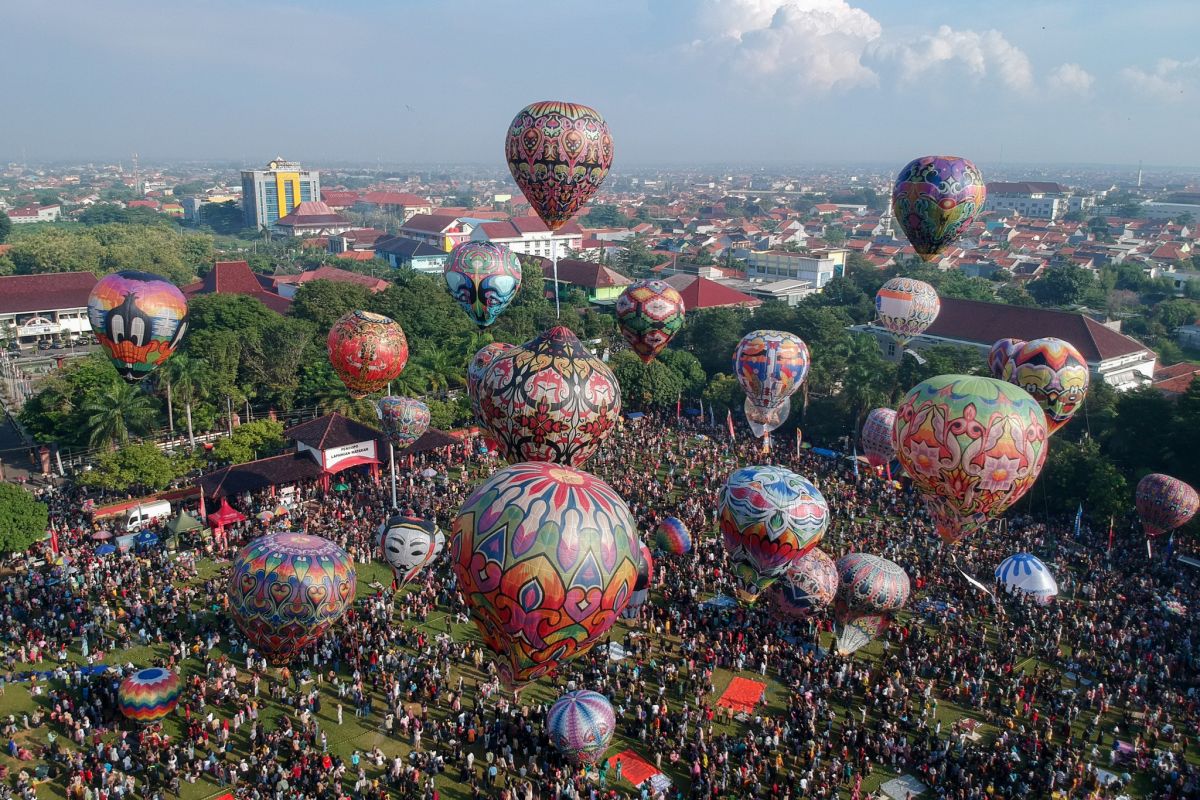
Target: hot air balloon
{"x":972,"y":446}
{"x":404,"y":419}
{"x":935,"y":200}
{"x":483,"y":278}
{"x":1054,"y":373}
{"x":367,"y":350}
{"x":407,"y":544}
{"x":1164,"y":503}
{"x":764,"y":420}
{"x":139,"y":319}
{"x":580,"y":726}
{"x":547,"y":557}
{"x":559,"y":154}
{"x":549,"y":400}
{"x":649,"y":314}
{"x":905,"y":308}
{"x":999,"y":354}
{"x":671,"y":536}
{"x":809,"y":583}
{"x":149,"y":694}
{"x":479,"y":364}
{"x":287,"y":589}
{"x":1027,"y":574}
{"x":770,"y":366}
{"x":870,"y":588}
{"x":769,"y":518}
{"x":877,"y":432}
{"x":641,"y":588}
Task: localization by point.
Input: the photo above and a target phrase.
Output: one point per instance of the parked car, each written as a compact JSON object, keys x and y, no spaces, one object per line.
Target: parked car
{"x":43,"y":345}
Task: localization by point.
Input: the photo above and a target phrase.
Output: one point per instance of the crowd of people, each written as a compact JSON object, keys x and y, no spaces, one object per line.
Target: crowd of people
{"x":976,"y":693}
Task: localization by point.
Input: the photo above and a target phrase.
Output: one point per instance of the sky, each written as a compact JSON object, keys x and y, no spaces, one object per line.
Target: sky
{"x":679,"y":81}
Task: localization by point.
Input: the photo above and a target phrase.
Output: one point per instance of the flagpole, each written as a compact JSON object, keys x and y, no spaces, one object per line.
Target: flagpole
{"x":392,"y":459}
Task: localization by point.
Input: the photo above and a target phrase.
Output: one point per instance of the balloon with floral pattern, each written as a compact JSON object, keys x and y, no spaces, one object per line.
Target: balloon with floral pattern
{"x":478,"y":365}
{"x":649,"y":314}
{"x":878,"y":437}
{"x":1054,"y":373}
{"x":404,"y":419}
{"x":1164,"y":503}
{"x":366,"y":351}
{"x":935,"y":200}
{"x":139,"y":319}
{"x":906,"y":307}
{"x":972,"y":446}
{"x":546,"y":557}
{"x":483,"y":278}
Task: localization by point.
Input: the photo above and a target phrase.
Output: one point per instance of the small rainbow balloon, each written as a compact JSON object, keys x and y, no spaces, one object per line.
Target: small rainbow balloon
{"x":149,"y":694}
{"x":672,"y":537}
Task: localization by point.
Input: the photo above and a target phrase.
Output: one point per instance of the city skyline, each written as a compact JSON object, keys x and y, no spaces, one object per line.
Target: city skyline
{"x":714,"y":82}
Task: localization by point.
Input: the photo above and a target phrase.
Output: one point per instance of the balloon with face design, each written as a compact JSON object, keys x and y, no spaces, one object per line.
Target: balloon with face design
{"x":1054,"y":373}
{"x":407,"y":545}
{"x":287,"y":589}
{"x":483,"y":278}
{"x":139,"y":319}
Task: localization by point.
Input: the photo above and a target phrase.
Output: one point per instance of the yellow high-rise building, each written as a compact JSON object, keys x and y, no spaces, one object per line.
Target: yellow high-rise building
{"x":270,"y":194}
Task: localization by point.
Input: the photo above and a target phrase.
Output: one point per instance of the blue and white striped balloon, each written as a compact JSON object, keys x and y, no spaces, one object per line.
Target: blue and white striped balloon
{"x":580,"y":726}
{"x":1026,"y":573}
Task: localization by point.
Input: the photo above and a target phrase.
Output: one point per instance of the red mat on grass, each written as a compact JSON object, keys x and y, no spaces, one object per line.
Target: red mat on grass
{"x":634,"y":768}
{"x":742,"y":695}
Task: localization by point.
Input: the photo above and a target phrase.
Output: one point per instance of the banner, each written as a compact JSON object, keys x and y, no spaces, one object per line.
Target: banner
{"x":729,"y":422}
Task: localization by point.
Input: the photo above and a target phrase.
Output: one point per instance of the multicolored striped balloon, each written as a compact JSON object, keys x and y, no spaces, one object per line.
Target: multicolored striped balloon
{"x":905,"y":307}
{"x":1164,"y":503}
{"x":999,"y":354}
{"x":935,"y":200}
{"x":581,"y":726}
{"x":149,"y":694}
{"x":649,"y":314}
{"x":878,"y":437}
{"x":671,"y":536}
{"x":1054,"y":373}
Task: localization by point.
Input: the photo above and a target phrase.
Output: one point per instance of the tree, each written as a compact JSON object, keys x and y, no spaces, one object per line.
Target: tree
{"x":1078,"y":473}
{"x":228,"y":312}
{"x":605,"y":215}
{"x":653,"y":385}
{"x":5,"y":227}
{"x":187,"y":380}
{"x":23,"y":519}
{"x":119,"y":410}
{"x":135,"y":465}
{"x":271,"y":360}
{"x":711,"y":335}
{"x":225,"y":218}
{"x":324,"y":302}
{"x":724,"y":390}
{"x":1015,"y":295}
{"x":249,"y":441}
{"x":1066,"y":285}
{"x":688,"y":366}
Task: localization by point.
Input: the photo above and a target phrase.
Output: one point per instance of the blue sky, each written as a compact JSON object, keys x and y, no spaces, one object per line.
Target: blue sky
{"x":680,"y":81}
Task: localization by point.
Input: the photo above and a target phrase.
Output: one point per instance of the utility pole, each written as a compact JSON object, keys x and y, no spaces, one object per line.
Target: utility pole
{"x":229,"y":412}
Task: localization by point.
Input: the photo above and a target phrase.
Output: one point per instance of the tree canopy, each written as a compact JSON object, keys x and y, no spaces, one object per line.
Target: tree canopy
{"x":23,"y":519}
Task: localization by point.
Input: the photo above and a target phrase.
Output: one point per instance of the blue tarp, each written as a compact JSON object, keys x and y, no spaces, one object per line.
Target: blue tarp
{"x":693,"y":412}
{"x":105,"y":549}
{"x":720,"y":601}
{"x":821,"y":451}
{"x":635,"y":415}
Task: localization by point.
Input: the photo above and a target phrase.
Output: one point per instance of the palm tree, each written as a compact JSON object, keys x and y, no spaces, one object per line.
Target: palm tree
{"x":333,"y":398}
{"x":186,"y":378}
{"x":412,"y":382}
{"x":443,"y":370}
{"x":116,"y":412}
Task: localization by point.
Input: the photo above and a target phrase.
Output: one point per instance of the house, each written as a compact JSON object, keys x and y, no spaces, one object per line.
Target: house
{"x":339,"y":199}
{"x":442,"y":231}
{"x":288,"y":285}
{"x":700,"y":293}
{"x":172,"y":209}
{"x":236,"y":277}
{"x":31,"y":214}
{"x":530,"y":236}
{"x":36,"y":307}
{"x":1176,"y":379}
{"x":312,"y":218}
{"x":403,"y":204}
{"x":1120,"y":361}
{"x":600,"y":283}
{"x":362,"y":239}
{"x":412,"y":254}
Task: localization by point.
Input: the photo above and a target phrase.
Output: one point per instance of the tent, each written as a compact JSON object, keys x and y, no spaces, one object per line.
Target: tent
{"x":225,"y":515}
{"x":146,"y":538}
{"x":183,"y":523}
{"x":105,"y":549}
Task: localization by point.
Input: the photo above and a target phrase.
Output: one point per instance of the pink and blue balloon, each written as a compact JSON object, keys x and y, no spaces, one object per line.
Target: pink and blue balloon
{"x":935,"y":200}
{"x":580,"y":725}
{"x":483,"y":278}
{"x":878,"y":437}
{"x":1164,"y":503}
{"x":905,"y":308}
{"x":809,"y":584}
{"x":404,"y":419}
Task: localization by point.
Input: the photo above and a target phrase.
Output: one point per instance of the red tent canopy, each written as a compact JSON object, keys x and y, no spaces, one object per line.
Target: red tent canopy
{"x":225,"y":515}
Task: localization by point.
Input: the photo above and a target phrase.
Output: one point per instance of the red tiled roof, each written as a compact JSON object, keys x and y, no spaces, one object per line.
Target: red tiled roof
{"x":698,"y":293}
{"x":1176,"y":379}
{"x":312,"y":212}
{"x":356,"y":255}
{"x":236,"y":277}
{"x":142,"y":204}
{"x":339,"y":199}
{"x":430,"y":223}
{"x":984,"y":323}
{"x":46,"y":292}
{"x":584,"y":273}
{"x":395,"y":199}
{"x":328,"y":273}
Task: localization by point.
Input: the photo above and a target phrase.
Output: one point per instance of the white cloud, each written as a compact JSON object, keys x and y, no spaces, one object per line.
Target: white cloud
{"x":976,"y":54}
{"x":810,"y":46}
{"x":1071,"y":78}
{"x":1169,"y":79}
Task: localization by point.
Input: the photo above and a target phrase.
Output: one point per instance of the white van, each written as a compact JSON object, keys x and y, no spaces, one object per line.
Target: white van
{"x":143,"y":513}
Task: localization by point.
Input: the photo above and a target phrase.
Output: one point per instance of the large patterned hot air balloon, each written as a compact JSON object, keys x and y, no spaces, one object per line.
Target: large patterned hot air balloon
{"x":404,"y":419}
{"x":671,"y":536}
{"x":649,"y":314}
{"x":870,"y":588}
{"x":580,"y":726}
{"x":407,"y":544}
{"x":1164,"y":503}
{"x":549,"y":400}
{"x":810,"y":582}
{"x":1054,"y":373}
{"x":1027,"y":574}
{"x":367,"y":350}
{"x":905,"y":308}
{"x":999,"y":354}
{"x":877,"y":437}
{"x":287,"y":589}
{"x":764,"y":420}
{"x":935,"y":200}
{"x":483,"y":278}
{"x":769,"y":518}
{"x":559,"y":154}
{"x":139,"y":319}
{"x":645,"y":575}
{"x":479,"y":364}
{"x":770,"y":366}
{"x":547,"y":557}
{"x":972,"y":446}
{"x":149,"y":694}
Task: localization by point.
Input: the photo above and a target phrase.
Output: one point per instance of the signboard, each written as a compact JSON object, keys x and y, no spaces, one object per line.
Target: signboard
{"x":38,"y":328}
{"x":357,"y":453}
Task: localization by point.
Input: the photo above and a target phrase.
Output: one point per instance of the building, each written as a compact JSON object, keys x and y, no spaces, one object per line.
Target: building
{"x":1036,"y":199}
{"x":816,"y":268}
{"x":31,"y":214}
{"x":236,"y":277}
{"x":436,"y":230}
{"x":270,"y":194}
{"x":43,"y":307}
{"x":1175,"y":380}
{"x":699,"y":293}
{"x":288,"y":285}
{"x":356,"y":239}
{"x":1120,"y":361}
{"x":191,"y":207}
{"x":601,"y":284}
{"x":784,"y":291}
{"x":312,"y":218}
{"x":411,"y":254}
{"x":529,"y":236}
{"x":1169,"y":211}
{"x":404,"y":205}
